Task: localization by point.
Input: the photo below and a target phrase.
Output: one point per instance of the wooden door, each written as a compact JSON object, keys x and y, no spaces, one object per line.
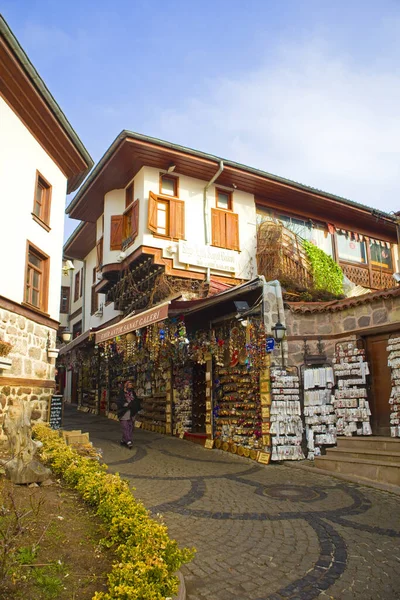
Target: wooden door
{"x":377,"y":357}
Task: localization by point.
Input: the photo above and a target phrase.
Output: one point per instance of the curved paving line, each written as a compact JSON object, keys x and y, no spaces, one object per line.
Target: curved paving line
{"x":196,"y":492}
{"x":180,"y":477}
{"x":200,"y":460}
{"x":330,"y":565}
{"x":133,"y":457}
{"x":362,"y":527}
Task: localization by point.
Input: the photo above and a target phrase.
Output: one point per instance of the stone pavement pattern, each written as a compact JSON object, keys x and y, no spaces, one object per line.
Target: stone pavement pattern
{"x":261,"y":532}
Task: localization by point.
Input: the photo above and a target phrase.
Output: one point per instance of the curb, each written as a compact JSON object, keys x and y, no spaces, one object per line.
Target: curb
{"x":182,"y":588}
{"x":383,"y":487}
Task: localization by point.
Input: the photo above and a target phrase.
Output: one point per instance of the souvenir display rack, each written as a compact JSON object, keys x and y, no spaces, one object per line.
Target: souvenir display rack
{"x":183,"y":387}
{"x":286,"y":424}
{"x":394,"y":400}
{"x":318,"y":408}
{"x":153,"y":386}
{"x":351,"y":404}
{"x":88,"y":390}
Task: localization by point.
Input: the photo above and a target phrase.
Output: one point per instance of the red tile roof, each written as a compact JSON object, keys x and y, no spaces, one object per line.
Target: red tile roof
{"x":337,"y":305}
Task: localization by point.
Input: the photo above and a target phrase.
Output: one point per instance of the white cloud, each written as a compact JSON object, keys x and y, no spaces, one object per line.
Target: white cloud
{"x":310,"y":116}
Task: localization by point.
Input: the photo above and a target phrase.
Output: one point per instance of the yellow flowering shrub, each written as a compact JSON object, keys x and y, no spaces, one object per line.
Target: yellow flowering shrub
{"x":147,"y":558}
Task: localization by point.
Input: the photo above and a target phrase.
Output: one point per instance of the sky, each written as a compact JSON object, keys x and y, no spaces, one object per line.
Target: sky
{"x":305,"y":89}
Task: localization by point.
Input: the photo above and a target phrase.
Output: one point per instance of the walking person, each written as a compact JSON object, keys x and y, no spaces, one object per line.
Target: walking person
{"x":128,"y":405}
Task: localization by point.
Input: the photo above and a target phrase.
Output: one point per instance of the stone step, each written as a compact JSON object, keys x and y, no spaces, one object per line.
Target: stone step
{"x":373,"y":470}
{"x":370,"y":442}
{"x":367,"y":454}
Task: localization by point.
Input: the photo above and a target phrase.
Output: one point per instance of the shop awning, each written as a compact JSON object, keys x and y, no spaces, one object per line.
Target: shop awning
{"x":75,"y":342}
{"x":147,"y":317}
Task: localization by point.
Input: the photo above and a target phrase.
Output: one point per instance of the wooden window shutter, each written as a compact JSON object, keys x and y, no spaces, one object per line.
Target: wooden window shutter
{"x":177,"y":219}
{"x":99,"y":248}
{"x":218,"y":227}
{"x":152,"y":216}
{"x":135,"y":219}
{"x":232,"y":231}
{"x":116,"y":232}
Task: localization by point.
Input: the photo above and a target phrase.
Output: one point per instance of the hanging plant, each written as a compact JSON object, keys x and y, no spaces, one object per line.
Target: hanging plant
{"x":326,"y":273}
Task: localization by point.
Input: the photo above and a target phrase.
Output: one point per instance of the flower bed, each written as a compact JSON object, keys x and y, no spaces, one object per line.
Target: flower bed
{"x":147,"y":557}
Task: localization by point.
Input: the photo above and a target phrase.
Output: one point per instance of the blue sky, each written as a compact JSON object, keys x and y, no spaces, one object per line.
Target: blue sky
{"x":305,"y":89}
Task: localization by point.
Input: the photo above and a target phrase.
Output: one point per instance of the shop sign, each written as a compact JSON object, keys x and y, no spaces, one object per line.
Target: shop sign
{"x":263,"y":458}
{"x":270,"y":344}
{"x":209,"y":444}
{"x":201,"y":255}
{"x":143,"y":319}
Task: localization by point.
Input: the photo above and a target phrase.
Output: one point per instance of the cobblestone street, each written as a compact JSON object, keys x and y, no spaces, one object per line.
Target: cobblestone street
{"x":261,"y":532}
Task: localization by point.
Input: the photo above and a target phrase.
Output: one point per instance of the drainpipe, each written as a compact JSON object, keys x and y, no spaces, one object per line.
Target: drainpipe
{"x":207,"y":212}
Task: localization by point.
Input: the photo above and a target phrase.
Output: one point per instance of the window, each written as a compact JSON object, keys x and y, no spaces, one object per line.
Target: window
{"x":94,"y":304}
{"x":166,"y":217}
{"x":168,"y":185}
{"x":37,"y":278}
{"x":64,"y":303}
{"x":116,"y":232}
{"x":381,"y":255}
{"x":223,"y":199}
{"x":41,"y":202}
{"x":129,"y":194}
{"x":77,"y":329}
{"x":310,"y":231}
{"x":99,"y":251}
{"x":77,"y":286}
{"x":130,"y":224}
{"x":351,"y":249}
{"x":225,"y":229}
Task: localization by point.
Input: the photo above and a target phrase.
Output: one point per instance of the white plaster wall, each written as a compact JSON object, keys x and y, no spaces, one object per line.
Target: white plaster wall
{"x":74,"y":306}
{"x":20,"y":156}
{"x":191,"y":191}
{"x":93,"y":321}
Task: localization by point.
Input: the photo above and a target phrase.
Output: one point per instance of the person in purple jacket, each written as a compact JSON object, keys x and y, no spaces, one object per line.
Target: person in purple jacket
{"x":128,"y":405}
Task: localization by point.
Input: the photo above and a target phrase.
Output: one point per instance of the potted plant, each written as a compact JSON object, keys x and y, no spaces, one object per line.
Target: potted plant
{"x":5,"y":349}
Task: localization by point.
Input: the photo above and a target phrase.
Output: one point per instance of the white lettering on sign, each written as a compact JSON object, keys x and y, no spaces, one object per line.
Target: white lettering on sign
{"x":207,"y":256}
{"x":142,"y":320}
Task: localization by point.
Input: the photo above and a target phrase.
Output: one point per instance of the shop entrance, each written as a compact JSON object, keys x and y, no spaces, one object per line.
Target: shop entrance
{"x":199,"y":399}
{"x":380,"y":383}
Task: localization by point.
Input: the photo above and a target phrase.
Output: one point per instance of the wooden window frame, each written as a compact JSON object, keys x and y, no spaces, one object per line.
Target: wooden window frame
{"x":175,"y":180}
{"x":128,"y":240}
{"x":44,"y":278}
{"x":378,"y":266}
{"x":43,"y":218}
{"x":176,"y":231}
{"x":365,"y":241}
{"x":94,"y":300}
{"x":99,"y":254}
{"x":116,"y":226}
{"x":77,"y":285}
{"x":129,"y":194}
{"x":230,"y":198}
{"x":64,"y":306}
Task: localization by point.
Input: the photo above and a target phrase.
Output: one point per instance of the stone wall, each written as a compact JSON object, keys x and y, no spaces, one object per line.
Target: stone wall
{"x":31,"y":369}
{"x":332,"y":326}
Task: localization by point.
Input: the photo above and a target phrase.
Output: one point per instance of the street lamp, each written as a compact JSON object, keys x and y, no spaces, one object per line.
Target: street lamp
{"x":279,"y":332}
{"x":66,"y":336}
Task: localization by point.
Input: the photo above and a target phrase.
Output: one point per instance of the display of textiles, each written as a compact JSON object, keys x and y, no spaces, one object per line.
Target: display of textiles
{"x":394,"y":400}
{"x":319,"y":411}
{"x":286,"y":425}
{"x":351,"y":404}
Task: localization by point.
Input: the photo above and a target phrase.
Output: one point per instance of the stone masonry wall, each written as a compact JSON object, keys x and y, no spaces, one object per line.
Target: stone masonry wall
{"x":29,"y":361}
{"x":377,"y":313}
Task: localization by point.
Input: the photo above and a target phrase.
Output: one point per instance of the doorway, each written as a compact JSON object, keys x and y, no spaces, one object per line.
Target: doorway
{"x":381,"y":385}
{"x":199,"y":399}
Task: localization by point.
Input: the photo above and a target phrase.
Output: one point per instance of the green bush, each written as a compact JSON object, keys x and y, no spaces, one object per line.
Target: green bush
{"x":326,"y":273}
{"x":147,"y":558}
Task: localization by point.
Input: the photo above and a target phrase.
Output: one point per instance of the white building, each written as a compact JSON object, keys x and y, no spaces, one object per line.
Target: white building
{"x":41,"y":159}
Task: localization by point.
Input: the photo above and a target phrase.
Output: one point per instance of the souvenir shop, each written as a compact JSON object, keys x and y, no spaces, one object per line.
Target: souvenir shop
{"x":209,"y":373}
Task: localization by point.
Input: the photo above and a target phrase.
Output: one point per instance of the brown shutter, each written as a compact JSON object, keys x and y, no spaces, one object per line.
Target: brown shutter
{"x":99,"y":248}
{"x":177,"y":219}
{"x":135,"y":220}
{"x":232,"y":231}
{"x":116,"y":232}
{"x":218,"y":227}
{"x":152,"y":217}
